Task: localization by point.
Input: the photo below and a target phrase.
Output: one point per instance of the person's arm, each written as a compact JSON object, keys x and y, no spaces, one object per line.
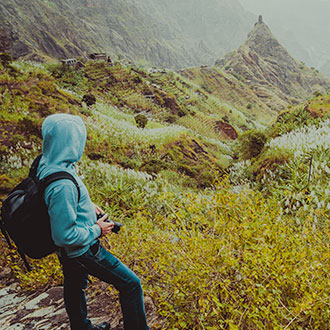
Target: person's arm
{"x":62,"y":200}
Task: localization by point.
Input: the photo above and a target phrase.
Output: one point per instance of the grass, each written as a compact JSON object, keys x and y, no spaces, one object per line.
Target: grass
{"x":212,"y":254}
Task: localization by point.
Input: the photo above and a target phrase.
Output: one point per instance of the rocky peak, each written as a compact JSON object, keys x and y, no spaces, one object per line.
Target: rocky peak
{"x":261,"y":41}
{"x":274,"y":74}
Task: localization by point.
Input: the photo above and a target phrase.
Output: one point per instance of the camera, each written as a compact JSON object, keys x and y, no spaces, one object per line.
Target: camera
{"x":117,"y":225}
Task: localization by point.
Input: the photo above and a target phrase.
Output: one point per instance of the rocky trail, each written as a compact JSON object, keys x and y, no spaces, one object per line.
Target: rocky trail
{"x":45,"y":311}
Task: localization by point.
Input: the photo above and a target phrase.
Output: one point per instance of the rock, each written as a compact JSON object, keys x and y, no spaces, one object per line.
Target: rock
{"x":45,"y":311}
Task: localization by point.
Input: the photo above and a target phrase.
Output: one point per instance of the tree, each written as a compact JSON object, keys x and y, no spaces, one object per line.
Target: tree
{"x":89,"y":99}
{"x":141,"y":121}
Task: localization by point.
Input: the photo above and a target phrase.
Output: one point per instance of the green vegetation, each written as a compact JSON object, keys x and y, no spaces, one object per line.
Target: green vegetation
{"x":251,"y":143}
{"x":241,"y":228}
{"x":5,"y":59}
{"x":141,"y":121}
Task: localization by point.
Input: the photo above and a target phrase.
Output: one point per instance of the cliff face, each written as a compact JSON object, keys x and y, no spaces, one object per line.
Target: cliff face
{"x":274,"y":74}
{"x":161,"y":33}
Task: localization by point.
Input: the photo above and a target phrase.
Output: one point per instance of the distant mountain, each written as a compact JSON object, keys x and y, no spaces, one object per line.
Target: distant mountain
{"x":303,"y":26}
{"x":169,"y":33}
{"x":275,"y":76}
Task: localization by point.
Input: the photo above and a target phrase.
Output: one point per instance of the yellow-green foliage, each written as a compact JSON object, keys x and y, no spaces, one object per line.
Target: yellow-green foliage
{"x":251,"y":143}
{"x":221,"y":260}
{"x":210,"y":259}
{"x":45,"y":272}
{"x":229,"y":261}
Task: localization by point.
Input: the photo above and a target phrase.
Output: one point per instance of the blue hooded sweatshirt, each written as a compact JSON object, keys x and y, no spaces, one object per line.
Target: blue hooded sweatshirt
{"x":73,"y":224}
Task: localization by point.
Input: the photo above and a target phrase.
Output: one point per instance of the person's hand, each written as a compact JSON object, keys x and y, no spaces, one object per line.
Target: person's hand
{"x":105,"y":225}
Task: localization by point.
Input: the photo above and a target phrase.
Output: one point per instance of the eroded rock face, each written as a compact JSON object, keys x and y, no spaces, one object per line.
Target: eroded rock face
{"x":227,"y":130}
{"x":165,"y":33}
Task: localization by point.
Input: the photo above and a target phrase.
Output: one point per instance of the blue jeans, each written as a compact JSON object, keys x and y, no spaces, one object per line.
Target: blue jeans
{"x":102,"y":264}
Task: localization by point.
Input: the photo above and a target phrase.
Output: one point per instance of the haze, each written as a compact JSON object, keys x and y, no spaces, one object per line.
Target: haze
{"x":302,"y":26}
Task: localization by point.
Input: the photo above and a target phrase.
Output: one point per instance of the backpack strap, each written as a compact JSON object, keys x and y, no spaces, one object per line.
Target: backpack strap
{"x":34,"y":167}
{"x":45,"y":182}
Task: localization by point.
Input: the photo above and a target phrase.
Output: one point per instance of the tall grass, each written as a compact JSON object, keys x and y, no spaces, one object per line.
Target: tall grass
{"x":112,"y":122}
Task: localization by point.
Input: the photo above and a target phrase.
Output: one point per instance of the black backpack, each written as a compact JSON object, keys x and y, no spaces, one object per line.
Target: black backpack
{"x":25,"y":216}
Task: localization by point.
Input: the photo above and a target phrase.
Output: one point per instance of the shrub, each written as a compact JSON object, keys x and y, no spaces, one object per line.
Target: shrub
{"x":141,"y":121}
{"x":153,"y":166}
{"x":89,"y":99}
{"x":171,"y":119}
{"x":288,"y":121}
{"x":5,"y":59}
{"x":251,"y":143}
{"x":229,"y":261}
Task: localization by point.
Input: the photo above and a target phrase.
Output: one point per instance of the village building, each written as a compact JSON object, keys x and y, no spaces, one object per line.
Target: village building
{"x":70,"y":61}
{"x":98,"y":56}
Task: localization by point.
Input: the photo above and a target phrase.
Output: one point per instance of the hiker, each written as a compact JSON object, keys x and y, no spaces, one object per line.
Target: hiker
{"x":76,"y":230}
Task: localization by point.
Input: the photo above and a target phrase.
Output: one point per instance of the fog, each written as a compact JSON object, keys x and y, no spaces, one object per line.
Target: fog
{"x":302,"y":26}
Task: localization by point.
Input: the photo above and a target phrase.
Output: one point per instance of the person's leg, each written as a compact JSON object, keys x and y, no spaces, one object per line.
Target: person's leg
{"x":75,"y":281}
{"x":108,"y":268}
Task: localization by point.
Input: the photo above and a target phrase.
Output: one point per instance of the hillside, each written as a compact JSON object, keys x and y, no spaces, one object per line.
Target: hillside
{"x":276,"y":77}
{"x":302,"y":26}
{"x":233,"y":91}
{"x":153,"y":32}
{"x":186,"y":128}
{"x":244,"y":241}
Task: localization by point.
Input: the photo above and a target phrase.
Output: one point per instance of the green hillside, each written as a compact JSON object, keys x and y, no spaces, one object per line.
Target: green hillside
{"x":225,"y":219}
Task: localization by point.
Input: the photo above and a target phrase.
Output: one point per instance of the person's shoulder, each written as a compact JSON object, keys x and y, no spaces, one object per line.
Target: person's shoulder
{"x":64,"y":186}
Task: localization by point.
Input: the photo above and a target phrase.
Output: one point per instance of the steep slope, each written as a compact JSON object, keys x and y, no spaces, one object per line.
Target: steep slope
{"x":74,"y":28}
{"x":233,"y":92}
{"x":155,"y":32}
{"x":302,"y":26}
{"x":276,"y":76}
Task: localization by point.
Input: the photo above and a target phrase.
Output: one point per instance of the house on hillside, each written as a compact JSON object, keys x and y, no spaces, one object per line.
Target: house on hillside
{"x":101,"y":57}
{"x":98,"y":56}
{"x":72,"y":62}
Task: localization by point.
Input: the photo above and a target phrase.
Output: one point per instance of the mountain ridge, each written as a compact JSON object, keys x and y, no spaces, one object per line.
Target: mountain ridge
{"x":148,"y":31}
{"x":274,"y":74}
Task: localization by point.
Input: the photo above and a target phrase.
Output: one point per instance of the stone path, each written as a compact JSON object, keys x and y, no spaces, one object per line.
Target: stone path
{"x":45,"y":311}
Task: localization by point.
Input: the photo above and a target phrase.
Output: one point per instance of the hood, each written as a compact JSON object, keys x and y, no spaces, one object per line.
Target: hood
{"x":64,"y":138}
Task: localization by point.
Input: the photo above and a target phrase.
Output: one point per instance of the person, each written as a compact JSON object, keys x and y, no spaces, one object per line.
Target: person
{"x":76,"y":230}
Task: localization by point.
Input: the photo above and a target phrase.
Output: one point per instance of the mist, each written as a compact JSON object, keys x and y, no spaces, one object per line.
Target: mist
{"x":302,"y":26}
